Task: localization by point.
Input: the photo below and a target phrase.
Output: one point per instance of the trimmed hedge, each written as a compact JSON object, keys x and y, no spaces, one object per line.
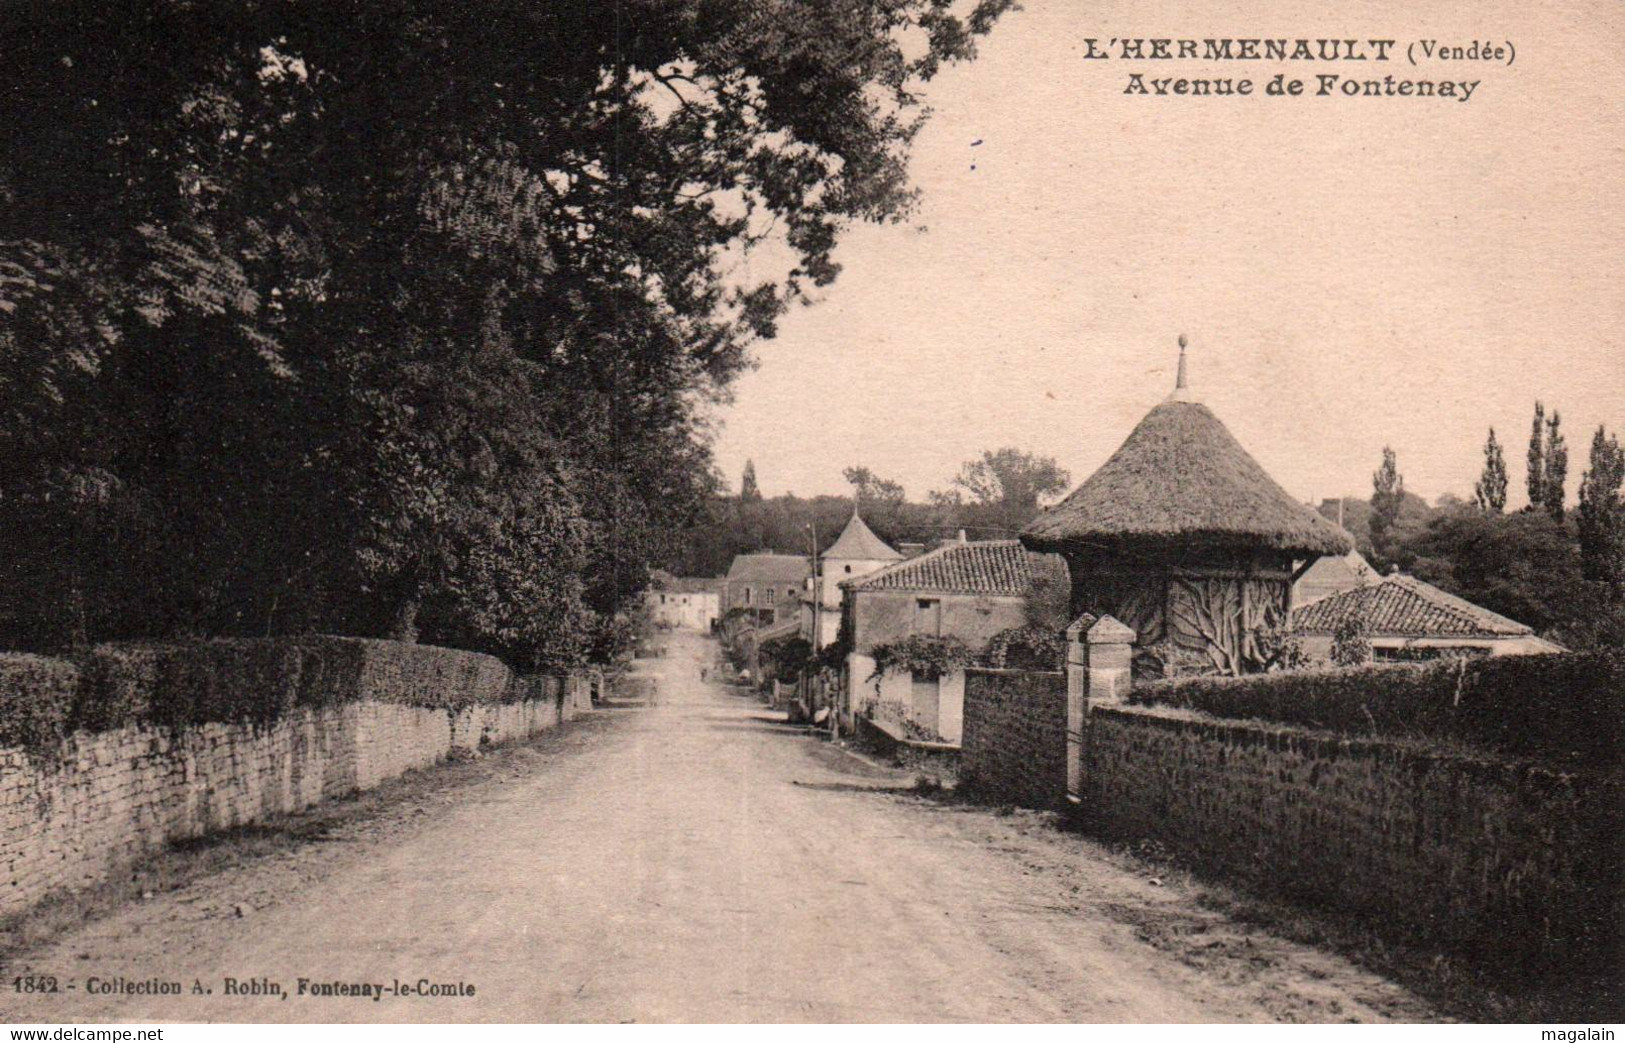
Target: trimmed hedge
{"x":36,"y":700}
{"x":1567,"y":706}
{"x":43,"y":700}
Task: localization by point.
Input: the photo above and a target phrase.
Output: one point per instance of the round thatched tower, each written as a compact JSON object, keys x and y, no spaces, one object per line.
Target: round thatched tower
{"x":1184,"y":537}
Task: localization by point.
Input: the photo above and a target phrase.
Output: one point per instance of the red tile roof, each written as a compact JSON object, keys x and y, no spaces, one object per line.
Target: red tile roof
{"x":1404,"y":606}
{"x":996,"y":567}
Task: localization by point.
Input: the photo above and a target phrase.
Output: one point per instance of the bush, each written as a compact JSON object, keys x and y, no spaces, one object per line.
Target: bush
{"x":36,"y":701}
{"x":1566,"y":706}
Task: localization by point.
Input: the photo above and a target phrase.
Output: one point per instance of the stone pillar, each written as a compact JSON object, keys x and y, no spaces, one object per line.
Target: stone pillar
{"x":1099,"y":661}
{"x":1111,"y":661}
{"x":1077,"y":700}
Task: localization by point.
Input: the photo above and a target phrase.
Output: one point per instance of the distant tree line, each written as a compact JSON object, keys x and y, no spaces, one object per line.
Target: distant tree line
{"x":991,"y":497}
{"x":399,"y":318}
{"x":1559,"y":570}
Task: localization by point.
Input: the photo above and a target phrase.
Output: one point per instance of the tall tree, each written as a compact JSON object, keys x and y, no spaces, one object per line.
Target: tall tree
{"x":258,"y":290}
{"x":1491,"y":490}
{"x":1555,"y":468}
{"x":1535,"y":480}
{"x":1602,"y":514}
{"x":869,"y":488}
{"x":1002,"y":490}
{"x":880,"y":499}
{"x":748,"y":490}
{"x":1387,"y":495}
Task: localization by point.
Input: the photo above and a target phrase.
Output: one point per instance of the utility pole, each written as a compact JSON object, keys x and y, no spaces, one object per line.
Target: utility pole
{"x":808,"y":673}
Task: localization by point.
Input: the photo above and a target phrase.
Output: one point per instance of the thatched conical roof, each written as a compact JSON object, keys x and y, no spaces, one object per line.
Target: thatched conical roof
{"x":1182,"y":480}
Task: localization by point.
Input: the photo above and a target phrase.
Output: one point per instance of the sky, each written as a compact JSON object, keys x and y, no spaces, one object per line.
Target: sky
{"x":1351,"y":272}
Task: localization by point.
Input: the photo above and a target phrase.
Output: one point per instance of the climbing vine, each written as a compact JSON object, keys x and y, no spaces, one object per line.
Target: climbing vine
{"x":923,"y":654}
{"x":1026,"y":648}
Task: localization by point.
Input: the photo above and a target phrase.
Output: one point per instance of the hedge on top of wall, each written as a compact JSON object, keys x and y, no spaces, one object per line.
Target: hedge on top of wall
{"x":42,"y":700}
{"x":1569,"y":706}
{"x":36,"y":700}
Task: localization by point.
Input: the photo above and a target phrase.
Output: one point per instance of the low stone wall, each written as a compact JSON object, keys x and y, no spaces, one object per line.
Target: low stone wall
{"x":1513,"y":864}
{"x":1014,"y":745}
{"x":71,"y":816}
{"x":936,"y":761}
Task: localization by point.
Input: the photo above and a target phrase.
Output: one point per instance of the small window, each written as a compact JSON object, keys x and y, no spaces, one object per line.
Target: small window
{"x":770,"y":594}
{"x":747,"y":595}
{"x":848,"y":569}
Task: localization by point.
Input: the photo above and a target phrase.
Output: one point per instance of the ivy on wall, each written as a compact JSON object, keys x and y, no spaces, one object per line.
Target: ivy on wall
{"x":927,"y":655}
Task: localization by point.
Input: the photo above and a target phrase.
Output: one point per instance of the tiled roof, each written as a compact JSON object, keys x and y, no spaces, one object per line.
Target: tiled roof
{"x":768,"y":568}
{"x":1404,"y":606}
{"x":987,"y":567}
{"x":858,"y":542}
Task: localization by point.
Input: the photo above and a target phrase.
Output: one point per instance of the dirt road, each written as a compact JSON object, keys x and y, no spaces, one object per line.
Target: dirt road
{"x":698,"y":860}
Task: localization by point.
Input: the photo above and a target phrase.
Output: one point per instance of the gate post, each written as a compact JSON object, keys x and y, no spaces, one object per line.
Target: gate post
{"x":1077,"y":701}
{"x":1099,"y":661}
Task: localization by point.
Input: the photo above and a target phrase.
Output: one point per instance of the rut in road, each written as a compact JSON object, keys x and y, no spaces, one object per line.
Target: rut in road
{"x":699,"y":860}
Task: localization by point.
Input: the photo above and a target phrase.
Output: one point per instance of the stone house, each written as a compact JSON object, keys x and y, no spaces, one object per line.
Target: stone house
{"x":971,"y":591}
{"x":1406,"y":620}
{"x":856,"y":553}
{"x":684,"y":602}
{"x":768,"y":585}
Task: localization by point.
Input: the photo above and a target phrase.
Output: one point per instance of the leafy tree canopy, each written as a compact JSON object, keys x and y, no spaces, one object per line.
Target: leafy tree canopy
{"x":398,"y":317}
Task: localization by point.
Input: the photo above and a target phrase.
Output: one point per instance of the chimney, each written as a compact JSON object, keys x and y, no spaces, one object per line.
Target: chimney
{"x":962,"y":538}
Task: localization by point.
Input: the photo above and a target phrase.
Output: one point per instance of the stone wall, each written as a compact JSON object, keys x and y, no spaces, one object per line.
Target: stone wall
{"x":1509,"y":862}
{"x":1014,"y":744}
{"x":71,"y":817}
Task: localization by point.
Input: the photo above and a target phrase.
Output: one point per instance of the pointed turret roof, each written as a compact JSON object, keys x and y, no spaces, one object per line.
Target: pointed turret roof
{"x":858,"y":542}
{"x":1182,"y":479}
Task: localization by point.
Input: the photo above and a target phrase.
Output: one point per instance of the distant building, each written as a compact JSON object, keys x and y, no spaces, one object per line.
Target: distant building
{"x":1407,"y":619}
{"x":1330,"y":575}
{"x":857,"y":552}
{"x":971,"y":591}
{"x":684,"y":602}
{"x":768,"y":585}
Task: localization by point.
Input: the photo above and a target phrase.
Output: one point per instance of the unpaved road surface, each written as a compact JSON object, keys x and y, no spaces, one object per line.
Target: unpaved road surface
{"x":697,"y":860}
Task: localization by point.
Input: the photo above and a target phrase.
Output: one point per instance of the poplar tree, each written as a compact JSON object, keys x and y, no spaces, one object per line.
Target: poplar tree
{"x":1491,"y":491}
{"x":1602,"y":514}
{"x":1536,"y":479}
{"x":1387,"y":493}
{"x":1555,"y":469}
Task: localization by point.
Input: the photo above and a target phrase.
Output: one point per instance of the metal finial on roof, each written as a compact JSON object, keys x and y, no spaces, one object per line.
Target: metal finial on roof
{"x":1182,"y":391}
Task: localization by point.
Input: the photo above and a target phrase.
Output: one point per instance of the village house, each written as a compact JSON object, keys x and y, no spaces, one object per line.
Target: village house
{"x":970,"y":591}
{"x":1183,"y":537}
{"x":684,"y":602}
{"x":857,"y":552}
{"x":767,"y":585}
{"x":1406,"y":619}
